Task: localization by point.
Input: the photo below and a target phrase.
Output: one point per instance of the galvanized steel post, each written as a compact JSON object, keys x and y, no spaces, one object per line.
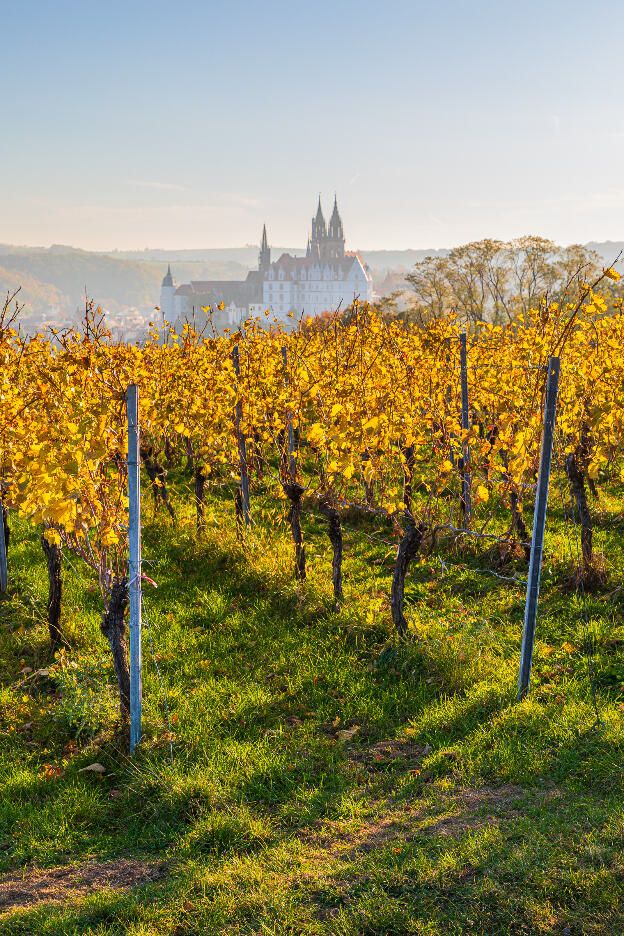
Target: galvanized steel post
{"x":539,"y":525}
{"x":134,"y":565}
{"x":242,"y":448}
{"x":4,"y":571}
{"x":291,"y":438}
{"x":465,"y":421}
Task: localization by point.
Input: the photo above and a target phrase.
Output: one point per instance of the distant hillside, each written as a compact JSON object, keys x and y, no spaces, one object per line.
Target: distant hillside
{"x":40,"y":295}
{"x":55,"y":280}
{"x":248,"y":256}
{"x":608,"y":250}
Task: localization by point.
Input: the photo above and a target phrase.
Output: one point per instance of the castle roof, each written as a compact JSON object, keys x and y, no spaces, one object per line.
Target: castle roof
{"x":290,"y":264}
{"x":325,"y":254}
{"x":354,"y":253}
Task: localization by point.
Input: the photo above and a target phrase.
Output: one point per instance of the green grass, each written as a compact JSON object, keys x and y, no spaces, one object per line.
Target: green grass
{"x":482,"y":816}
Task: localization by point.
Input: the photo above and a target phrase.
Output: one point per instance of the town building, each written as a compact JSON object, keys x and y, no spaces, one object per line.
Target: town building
{"x":327,"y":278}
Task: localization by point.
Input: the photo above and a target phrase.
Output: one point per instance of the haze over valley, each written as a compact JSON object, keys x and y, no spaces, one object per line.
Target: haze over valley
{"x":54,"y":281}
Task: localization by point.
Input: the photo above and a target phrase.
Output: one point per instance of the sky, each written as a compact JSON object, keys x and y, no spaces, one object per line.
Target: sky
{"x":156,"y":124}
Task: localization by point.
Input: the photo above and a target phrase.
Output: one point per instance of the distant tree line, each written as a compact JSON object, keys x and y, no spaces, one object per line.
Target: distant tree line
{"x":492,"y":280}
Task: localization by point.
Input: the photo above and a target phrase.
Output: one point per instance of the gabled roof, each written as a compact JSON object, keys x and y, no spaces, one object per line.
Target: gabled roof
{"x":290,"y":264}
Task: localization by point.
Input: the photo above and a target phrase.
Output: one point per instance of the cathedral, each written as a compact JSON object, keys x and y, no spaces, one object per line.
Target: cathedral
{"x":326,"y":279}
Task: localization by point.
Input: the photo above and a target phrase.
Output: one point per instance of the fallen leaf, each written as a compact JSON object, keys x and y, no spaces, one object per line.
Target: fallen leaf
{"x":347,"y":733}
{"x":51,"y":772}
{"x":95,"y":768}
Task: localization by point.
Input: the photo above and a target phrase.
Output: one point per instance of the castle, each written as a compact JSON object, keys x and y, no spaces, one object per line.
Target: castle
{"x":326,"y":279}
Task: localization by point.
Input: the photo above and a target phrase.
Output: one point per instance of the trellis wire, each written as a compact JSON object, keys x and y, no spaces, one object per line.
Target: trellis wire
{"x":465,"y":568}
{"x":443,"y":562}
{"x":496,"y":367}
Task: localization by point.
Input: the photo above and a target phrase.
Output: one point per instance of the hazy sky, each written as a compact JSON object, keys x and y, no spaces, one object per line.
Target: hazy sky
{"x":189,"y":123}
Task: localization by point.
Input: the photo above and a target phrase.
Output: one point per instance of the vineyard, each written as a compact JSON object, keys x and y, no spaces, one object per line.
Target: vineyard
{"x":380,"y":467}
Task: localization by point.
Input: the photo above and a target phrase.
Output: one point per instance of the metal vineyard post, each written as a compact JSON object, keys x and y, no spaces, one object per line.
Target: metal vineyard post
{"x":466,"y":493}
{"x":4,"y":572}
{"x":539,"y":525}
{"x":242,"y":449}
{"x":291,"y":437}
{"x":134,"y":564}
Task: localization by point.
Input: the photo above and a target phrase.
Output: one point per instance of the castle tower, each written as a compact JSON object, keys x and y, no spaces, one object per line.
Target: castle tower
{"x":334,"y":245}
{"x":319,"y":233}
{"x":167,"y":291}
{"x":264,"y":257}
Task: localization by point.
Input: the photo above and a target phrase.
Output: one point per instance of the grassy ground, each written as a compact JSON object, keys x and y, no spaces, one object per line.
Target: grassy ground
{"x":324,"y":778}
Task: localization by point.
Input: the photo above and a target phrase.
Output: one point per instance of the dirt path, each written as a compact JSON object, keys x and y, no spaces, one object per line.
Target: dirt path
{"x":30,"y":887}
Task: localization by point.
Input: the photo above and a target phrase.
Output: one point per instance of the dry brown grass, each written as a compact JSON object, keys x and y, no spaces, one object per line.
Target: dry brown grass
{"x":58,"y":885}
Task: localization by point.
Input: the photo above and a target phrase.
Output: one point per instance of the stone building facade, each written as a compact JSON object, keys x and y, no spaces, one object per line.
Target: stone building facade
{"x":327,"y":278}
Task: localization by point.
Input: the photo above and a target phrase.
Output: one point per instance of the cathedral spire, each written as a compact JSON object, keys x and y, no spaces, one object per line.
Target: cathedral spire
{"x":335,"y":234}
{"x":335,"y":223}
{"x":319,"y":223}
{"x":264,"y":257}
{"x":319,"y":231}
{"x":168,"y":279}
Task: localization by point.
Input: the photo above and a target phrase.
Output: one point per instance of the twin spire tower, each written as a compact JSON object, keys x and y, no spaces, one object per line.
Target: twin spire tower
{"x":326,"y":243}
{"x":326,"y":278}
